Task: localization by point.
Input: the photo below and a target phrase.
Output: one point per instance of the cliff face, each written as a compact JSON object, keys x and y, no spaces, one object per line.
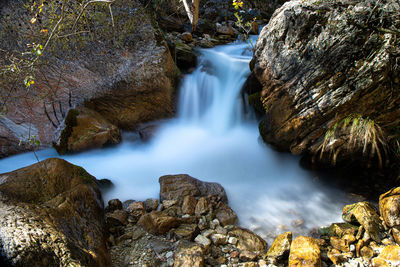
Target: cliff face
{"x":121,"y":68}
{"x":329,"y":72}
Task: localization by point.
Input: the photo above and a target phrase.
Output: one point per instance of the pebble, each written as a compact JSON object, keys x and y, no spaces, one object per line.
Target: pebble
{"x":232,"y":240}
{"x":214,"y":223}
{"x":219,"y":239}
{"x":169,"y":254}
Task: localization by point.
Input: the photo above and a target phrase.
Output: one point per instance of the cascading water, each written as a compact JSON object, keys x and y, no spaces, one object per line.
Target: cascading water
{"x":212,"y":139}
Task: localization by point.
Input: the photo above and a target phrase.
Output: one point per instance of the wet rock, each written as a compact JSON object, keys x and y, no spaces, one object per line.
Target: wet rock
{"x":114,"y":204}
{"x":147,"y":133}
{"x":247,"y":256}
{"x":336,"y":257}
{"x":339,"y":244}
{"x":280,"y":247}
{"x":389,"y":207}
{"x":364,"y":214}
{"x":46,"y":203}
{"x":341,"y":229}
{"x":174,"y":187}
{"x":189,"y":205}
{"x":249,"y":241}
{"x":184,"y":56}
{"x":189,"y":254}
{"x":116,"y":218}
{"x":367,"y":253}
{"x":186,"y":231}
{"x":202,"y":207}
{"x":84,"y":129}
{"x":136,"y":209}
{"x":187,"y":37}
{"x":390,"y":256}
{"x":203,"y":241}
{"x":225,"y":215}
{"x":219,"y":239}
{"x":157,"y":222}
{"x":150,"y":204}
{"x":304,"y":251}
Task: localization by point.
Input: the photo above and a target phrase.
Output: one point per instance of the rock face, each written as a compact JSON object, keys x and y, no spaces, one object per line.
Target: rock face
{"x":83,"y":129}
{"x":125,"y":73}
{"x":174,"y":187}
{"x":330,"y":83}
{"x":52,"y":215}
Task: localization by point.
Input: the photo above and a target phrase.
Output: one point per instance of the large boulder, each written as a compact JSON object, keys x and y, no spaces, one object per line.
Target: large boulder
{"x":176,"y":187}
{"x":84,"y":129}
{"x":123,"y":70}
{"x":329,"y":78}
{"x":52,"y":215}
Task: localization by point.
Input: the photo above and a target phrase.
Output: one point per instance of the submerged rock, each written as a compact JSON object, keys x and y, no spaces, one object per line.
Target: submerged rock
{"x":52,"y":215}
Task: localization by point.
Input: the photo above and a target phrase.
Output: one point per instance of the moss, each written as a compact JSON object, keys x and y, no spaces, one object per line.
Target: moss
{"x":255,"y":101}
{"x":85,"y":176}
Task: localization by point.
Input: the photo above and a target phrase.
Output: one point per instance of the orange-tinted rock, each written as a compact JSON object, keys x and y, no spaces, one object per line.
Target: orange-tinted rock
{"x":281,"y":246}
{"x":304,"y":251}
{"x":389,"y":207}
{"x":390,"y":256}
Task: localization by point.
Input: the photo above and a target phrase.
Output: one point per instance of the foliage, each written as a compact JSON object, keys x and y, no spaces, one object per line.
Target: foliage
{"x":354,"y":132}
{"x":245,"y":26}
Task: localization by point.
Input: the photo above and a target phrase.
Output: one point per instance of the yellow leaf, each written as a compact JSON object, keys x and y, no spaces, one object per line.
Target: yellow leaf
{"x":44,"y":31}
{"x":33,"y":20}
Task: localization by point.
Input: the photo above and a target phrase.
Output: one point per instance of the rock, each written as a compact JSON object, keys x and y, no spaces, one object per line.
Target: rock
{"x":219,"y":239}
{"x":136,"y":209}
{"x":390,"y":256}
{"x":225,"y":215}
{"x":147,"y":133}
{"x":126,"y":74}
{"x":185,"y":56}
{"x":214,"y":224}
{"x":367,"y":253}
{"x":339,"y":244}
{"x":174,"y":187}
{"x":389,"y":207}
{"x":336,"y":257}
{"x":84,"y":129}
{"x":247,"y":256}
{"x":150,"y":204}
{"x":280,"y":247}
{"x":249,"y":241}
{"x":248,"y":264}
{"x":315,"y":77}
{"x":304,"y":251}
{"x":114,"y":204}
{"x":341,"y":229}
{"x":189,"y":255}
{"x":187,"y":37}
{"x":364,"y":214}
{"x":57,"y":205}
{"x":186,"y":231}
{"x":232,"y":240}
{"x":157,"y":222}
{"x":224,"y":29}
{"x":189,"y":205}
{"x":203,"y":241}
{"x":116,"y":218}
{"x":202,"y":207}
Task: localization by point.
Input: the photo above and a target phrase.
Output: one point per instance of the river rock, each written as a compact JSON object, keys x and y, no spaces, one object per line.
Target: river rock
{"x":364,"y":214}
{"x":176,"y":187}
{"x":341,"y":229}
{"x":280,"y":247}
{"x":185,"y":57}
{"x":186,"y":231}
{"x":390,"y":256}
{"x":158,"y":222}
{"x":117,"y":218}
{"x":224,"y":29}
{"x":136,"y":209}
{"x":57,"y":205}
{"x":319,"y":63}
{"x":389,"y":207}
{"x":304,"y":251}
{"x":189,"y":254}
{"x":225,"y":215}
{"x":126,"y":73}
{"x":247,"y":240}
{"x":83,"y":129}
{"x":203,"y":241}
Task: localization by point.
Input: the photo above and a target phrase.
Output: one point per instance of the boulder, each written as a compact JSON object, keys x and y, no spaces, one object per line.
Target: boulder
{"x":126,"y":73}
{"x":304,"y":251}
{"x":364,"y":214}
{"x":330,"y":85}
{"x":57,"y":205}
{"x":158,"y":222}
{"x":189,"y":254}
{"x":176,"y":187}
{"x":280,"y":247}
{"x":389,"y":207}
{"x":84,"y":129}
{"x":249,"y":241}
{"x":390,"y":256}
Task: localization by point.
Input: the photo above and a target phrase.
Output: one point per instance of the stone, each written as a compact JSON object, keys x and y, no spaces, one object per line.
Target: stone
{"x":367,"y":253}
{"x":219,"y":239}
{"x":339,"y":244}
{"x":187,"y":37}
{"x":189,"y":255}
{"x":186,"y":231}
{"x":221,"y":230}
{"x":185,"y":56}
{"x":281,"y":246}
{"x":169,"y":203}
{"x":158,"y":222}
{"x":214,"y":223}
{"x":390,"y":256}
{"x":336,"y":257}
{"x":224,"y":29}
{"x":364,"y":214}
{"x":232,"y":240}
{"x":84,"y":129}
{"x":189,"y":205}
{"x":136,"y":209}
{"x":147,"y":133}
{"x":389,"y":207}
{"x":176,"y":187}
{"x":117,"y":218}
{"x":340,"y":229}
{"x":202,"y":207}
{"x":311,"y":73}
{"x":150,"y":204}
{"x":234,"y":254}
{"x":248,"y":264}
{"x":203,"y":241}
{"x":55,"y":204}
{"x":304,"y":251}
{"x":226,"y":215}
{"x":247,"y":256}
{"x":247,"y":240}
{"x":114,"y":204}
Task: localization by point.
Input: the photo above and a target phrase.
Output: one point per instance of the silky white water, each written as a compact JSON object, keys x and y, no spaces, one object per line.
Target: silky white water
{"x":213,"y":139}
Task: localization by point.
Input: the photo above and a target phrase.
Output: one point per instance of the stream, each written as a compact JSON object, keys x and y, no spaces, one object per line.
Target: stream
{"x":213,"y":139}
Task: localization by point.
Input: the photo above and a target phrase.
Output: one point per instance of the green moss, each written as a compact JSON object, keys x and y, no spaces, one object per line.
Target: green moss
{"x":85,"y":176}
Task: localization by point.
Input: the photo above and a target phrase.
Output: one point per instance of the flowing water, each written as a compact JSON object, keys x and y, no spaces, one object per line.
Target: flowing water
{"x":213,"y":139}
